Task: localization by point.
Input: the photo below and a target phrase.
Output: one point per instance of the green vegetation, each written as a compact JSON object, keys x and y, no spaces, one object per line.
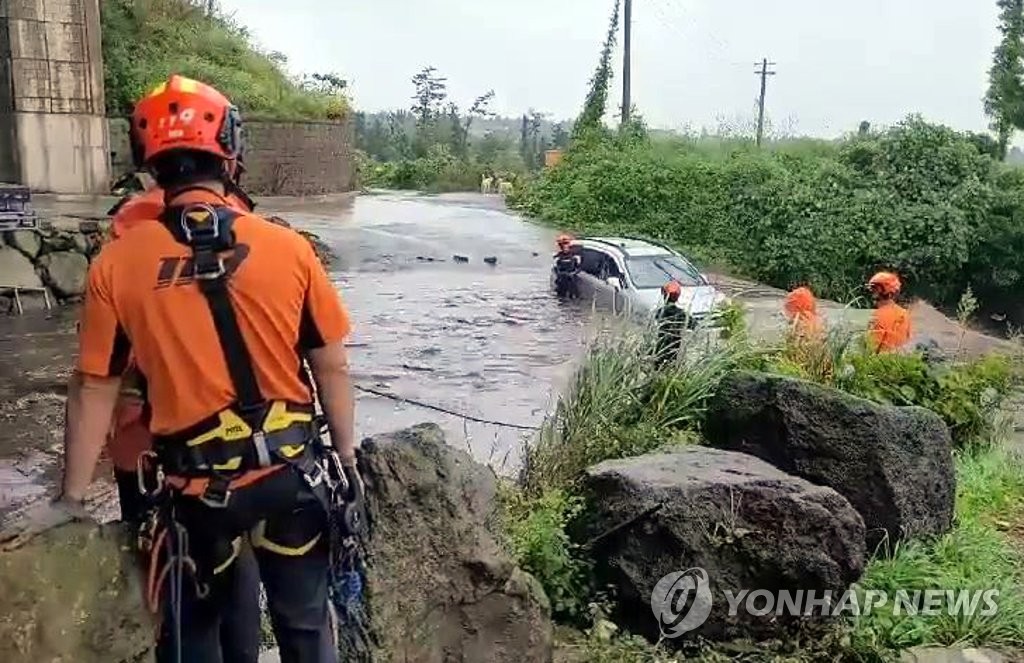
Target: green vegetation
{"x":145,"y":41}
{"x":436,"y":146}
{"x":1004,"y":103}
{"x":918,"y":198}
{"x":619,"y":405}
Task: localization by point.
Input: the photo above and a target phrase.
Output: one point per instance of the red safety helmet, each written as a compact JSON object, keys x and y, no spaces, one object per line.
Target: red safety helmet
{"x":185,"y":114}
{"x":672,"y":290}
{"x":886,"y":284}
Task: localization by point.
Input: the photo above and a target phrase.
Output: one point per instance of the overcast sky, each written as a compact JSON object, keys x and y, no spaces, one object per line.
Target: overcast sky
{"x":838,"y":62}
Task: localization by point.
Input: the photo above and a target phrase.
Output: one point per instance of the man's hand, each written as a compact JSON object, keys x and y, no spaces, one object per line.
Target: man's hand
{"x":38,"y":519}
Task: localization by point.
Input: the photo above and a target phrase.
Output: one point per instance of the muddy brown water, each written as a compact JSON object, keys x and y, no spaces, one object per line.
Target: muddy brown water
{"x":489,"y":341}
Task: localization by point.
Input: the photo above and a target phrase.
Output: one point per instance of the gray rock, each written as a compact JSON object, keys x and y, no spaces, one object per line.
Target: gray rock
{"x":26,"y":241}
{"x":73,"y":594}
{"x":65,"y":272}
{"x":953,"y":655}
{"x":57,"y":240}
{"x":90,"y":227}
{"x":440,"y":589}
{"x":82,"y":244}
{"x":16,"y":270}
{"x":895,"y":465}
{"x":748,"y":525}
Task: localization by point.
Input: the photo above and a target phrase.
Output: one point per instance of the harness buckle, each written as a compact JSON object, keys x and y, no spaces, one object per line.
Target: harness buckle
{"x":217,"y":493}
{"x":141,"y":471}
{"x":204,"y":273}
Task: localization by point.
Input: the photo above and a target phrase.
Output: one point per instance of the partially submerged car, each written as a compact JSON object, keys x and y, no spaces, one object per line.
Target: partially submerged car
{"x":626,"y":275}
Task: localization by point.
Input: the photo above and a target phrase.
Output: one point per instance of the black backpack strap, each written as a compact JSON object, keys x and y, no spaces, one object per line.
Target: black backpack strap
{"x":207,"y":230}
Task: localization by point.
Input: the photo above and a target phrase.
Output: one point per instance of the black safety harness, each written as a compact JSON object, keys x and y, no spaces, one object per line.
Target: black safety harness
{"x":208,"y":230}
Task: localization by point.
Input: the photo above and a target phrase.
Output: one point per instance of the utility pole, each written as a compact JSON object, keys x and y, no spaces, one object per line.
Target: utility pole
{"x":764,"y":73}
{"x":627,"y":105}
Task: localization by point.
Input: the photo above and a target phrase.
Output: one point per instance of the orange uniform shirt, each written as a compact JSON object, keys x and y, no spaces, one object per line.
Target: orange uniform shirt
{"x":890,"y":328}
{"x":142,"y":300}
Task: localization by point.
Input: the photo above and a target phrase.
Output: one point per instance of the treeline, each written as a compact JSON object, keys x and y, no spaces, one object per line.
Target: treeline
{"x":935,"y":204}
{"x":144,"y":41}
{"x":437,"y":145}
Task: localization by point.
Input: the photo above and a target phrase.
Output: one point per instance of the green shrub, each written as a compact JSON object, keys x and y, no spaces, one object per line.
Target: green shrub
{"x":918,"y":198}
{"x":534,"y":531}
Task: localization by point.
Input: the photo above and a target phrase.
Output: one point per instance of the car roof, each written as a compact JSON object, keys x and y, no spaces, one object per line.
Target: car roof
{"x":630,"y":247}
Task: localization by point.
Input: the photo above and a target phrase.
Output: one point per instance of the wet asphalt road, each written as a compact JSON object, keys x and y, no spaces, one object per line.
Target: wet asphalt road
{"x":489,"y":341}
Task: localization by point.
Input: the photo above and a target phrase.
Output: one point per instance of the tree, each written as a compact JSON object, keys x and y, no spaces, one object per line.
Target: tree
{"x":481,"y":108}
{"x":431,"y":93}
{"x":559,"y":137}
{"x":597,"y":97}
{"x":1004,"y":102}
{"x":329,"y":84}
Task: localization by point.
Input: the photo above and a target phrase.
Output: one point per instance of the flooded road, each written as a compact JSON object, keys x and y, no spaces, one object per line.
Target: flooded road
{"x":488,"y":341}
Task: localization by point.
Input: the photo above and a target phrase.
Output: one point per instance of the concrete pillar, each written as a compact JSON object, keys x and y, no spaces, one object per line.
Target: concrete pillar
{"x":53,"y":131}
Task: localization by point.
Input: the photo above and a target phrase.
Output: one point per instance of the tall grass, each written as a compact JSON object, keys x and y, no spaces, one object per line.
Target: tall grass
{"x":985,"y":550}
{"x":620,"y":405}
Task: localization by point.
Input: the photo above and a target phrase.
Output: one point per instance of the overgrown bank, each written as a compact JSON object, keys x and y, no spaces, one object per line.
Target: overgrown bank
{"x":144,"y":41}
{"x":923,"y":199}
{"x":620,"y":406}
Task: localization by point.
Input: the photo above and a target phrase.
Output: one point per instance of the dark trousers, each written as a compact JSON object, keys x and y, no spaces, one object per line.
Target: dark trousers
{"x":287,"y":525}
{"x":240,"y":627}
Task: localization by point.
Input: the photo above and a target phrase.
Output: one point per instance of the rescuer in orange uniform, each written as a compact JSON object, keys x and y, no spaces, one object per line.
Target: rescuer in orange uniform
{"x":219,"y":309}
{"x":801,"y":310}
{"x":890,"y":328}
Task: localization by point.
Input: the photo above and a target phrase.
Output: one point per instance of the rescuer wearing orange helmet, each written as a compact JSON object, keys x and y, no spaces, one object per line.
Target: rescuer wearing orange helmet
{"x":219,"y":308}
{"x":890,"y":328}
{"x":567,"y":266}
{"x":801,"y":310}
{"x":672,"y":321}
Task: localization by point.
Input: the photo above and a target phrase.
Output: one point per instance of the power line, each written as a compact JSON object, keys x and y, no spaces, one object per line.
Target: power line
{"x":764,"y":73}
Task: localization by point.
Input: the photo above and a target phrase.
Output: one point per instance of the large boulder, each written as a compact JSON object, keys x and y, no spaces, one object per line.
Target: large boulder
{"x":26,"y":241}
{"x":16,"y":270}
{"x":65,"y":272}
{"x":739,"y":523}
{"x":439,"y":587}
{"x":894,"y":464}
{"x":73,"y":594}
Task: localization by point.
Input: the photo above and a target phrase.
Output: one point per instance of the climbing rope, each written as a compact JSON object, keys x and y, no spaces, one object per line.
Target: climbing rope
{"x":437,"y":408}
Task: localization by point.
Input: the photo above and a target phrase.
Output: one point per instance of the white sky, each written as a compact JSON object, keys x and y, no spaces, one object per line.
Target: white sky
{"x":838,"y":61}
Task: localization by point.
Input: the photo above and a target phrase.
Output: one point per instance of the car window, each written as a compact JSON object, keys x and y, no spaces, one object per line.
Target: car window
{"x":655,"y":271}
{"x":593,"y":261}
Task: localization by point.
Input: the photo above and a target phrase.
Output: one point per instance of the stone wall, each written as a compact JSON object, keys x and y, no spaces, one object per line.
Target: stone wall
{"x":282,"y":158}
{"x":50,"y":258}
{"x":52,"y":133}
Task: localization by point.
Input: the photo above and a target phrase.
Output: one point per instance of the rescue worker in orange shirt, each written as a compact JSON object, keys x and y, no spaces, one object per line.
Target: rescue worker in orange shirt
{"x":890,"y":328}
{"x":801,"y":310}
{"x":219,"y":308}
{"x":129,"y":439}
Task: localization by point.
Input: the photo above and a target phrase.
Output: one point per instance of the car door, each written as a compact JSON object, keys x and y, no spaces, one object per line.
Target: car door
{"x":614,"y":285}
{"x":589,"y":277}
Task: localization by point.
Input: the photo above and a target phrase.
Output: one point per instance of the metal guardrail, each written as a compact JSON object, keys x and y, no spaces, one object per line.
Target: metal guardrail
{"x":17,"y":296}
